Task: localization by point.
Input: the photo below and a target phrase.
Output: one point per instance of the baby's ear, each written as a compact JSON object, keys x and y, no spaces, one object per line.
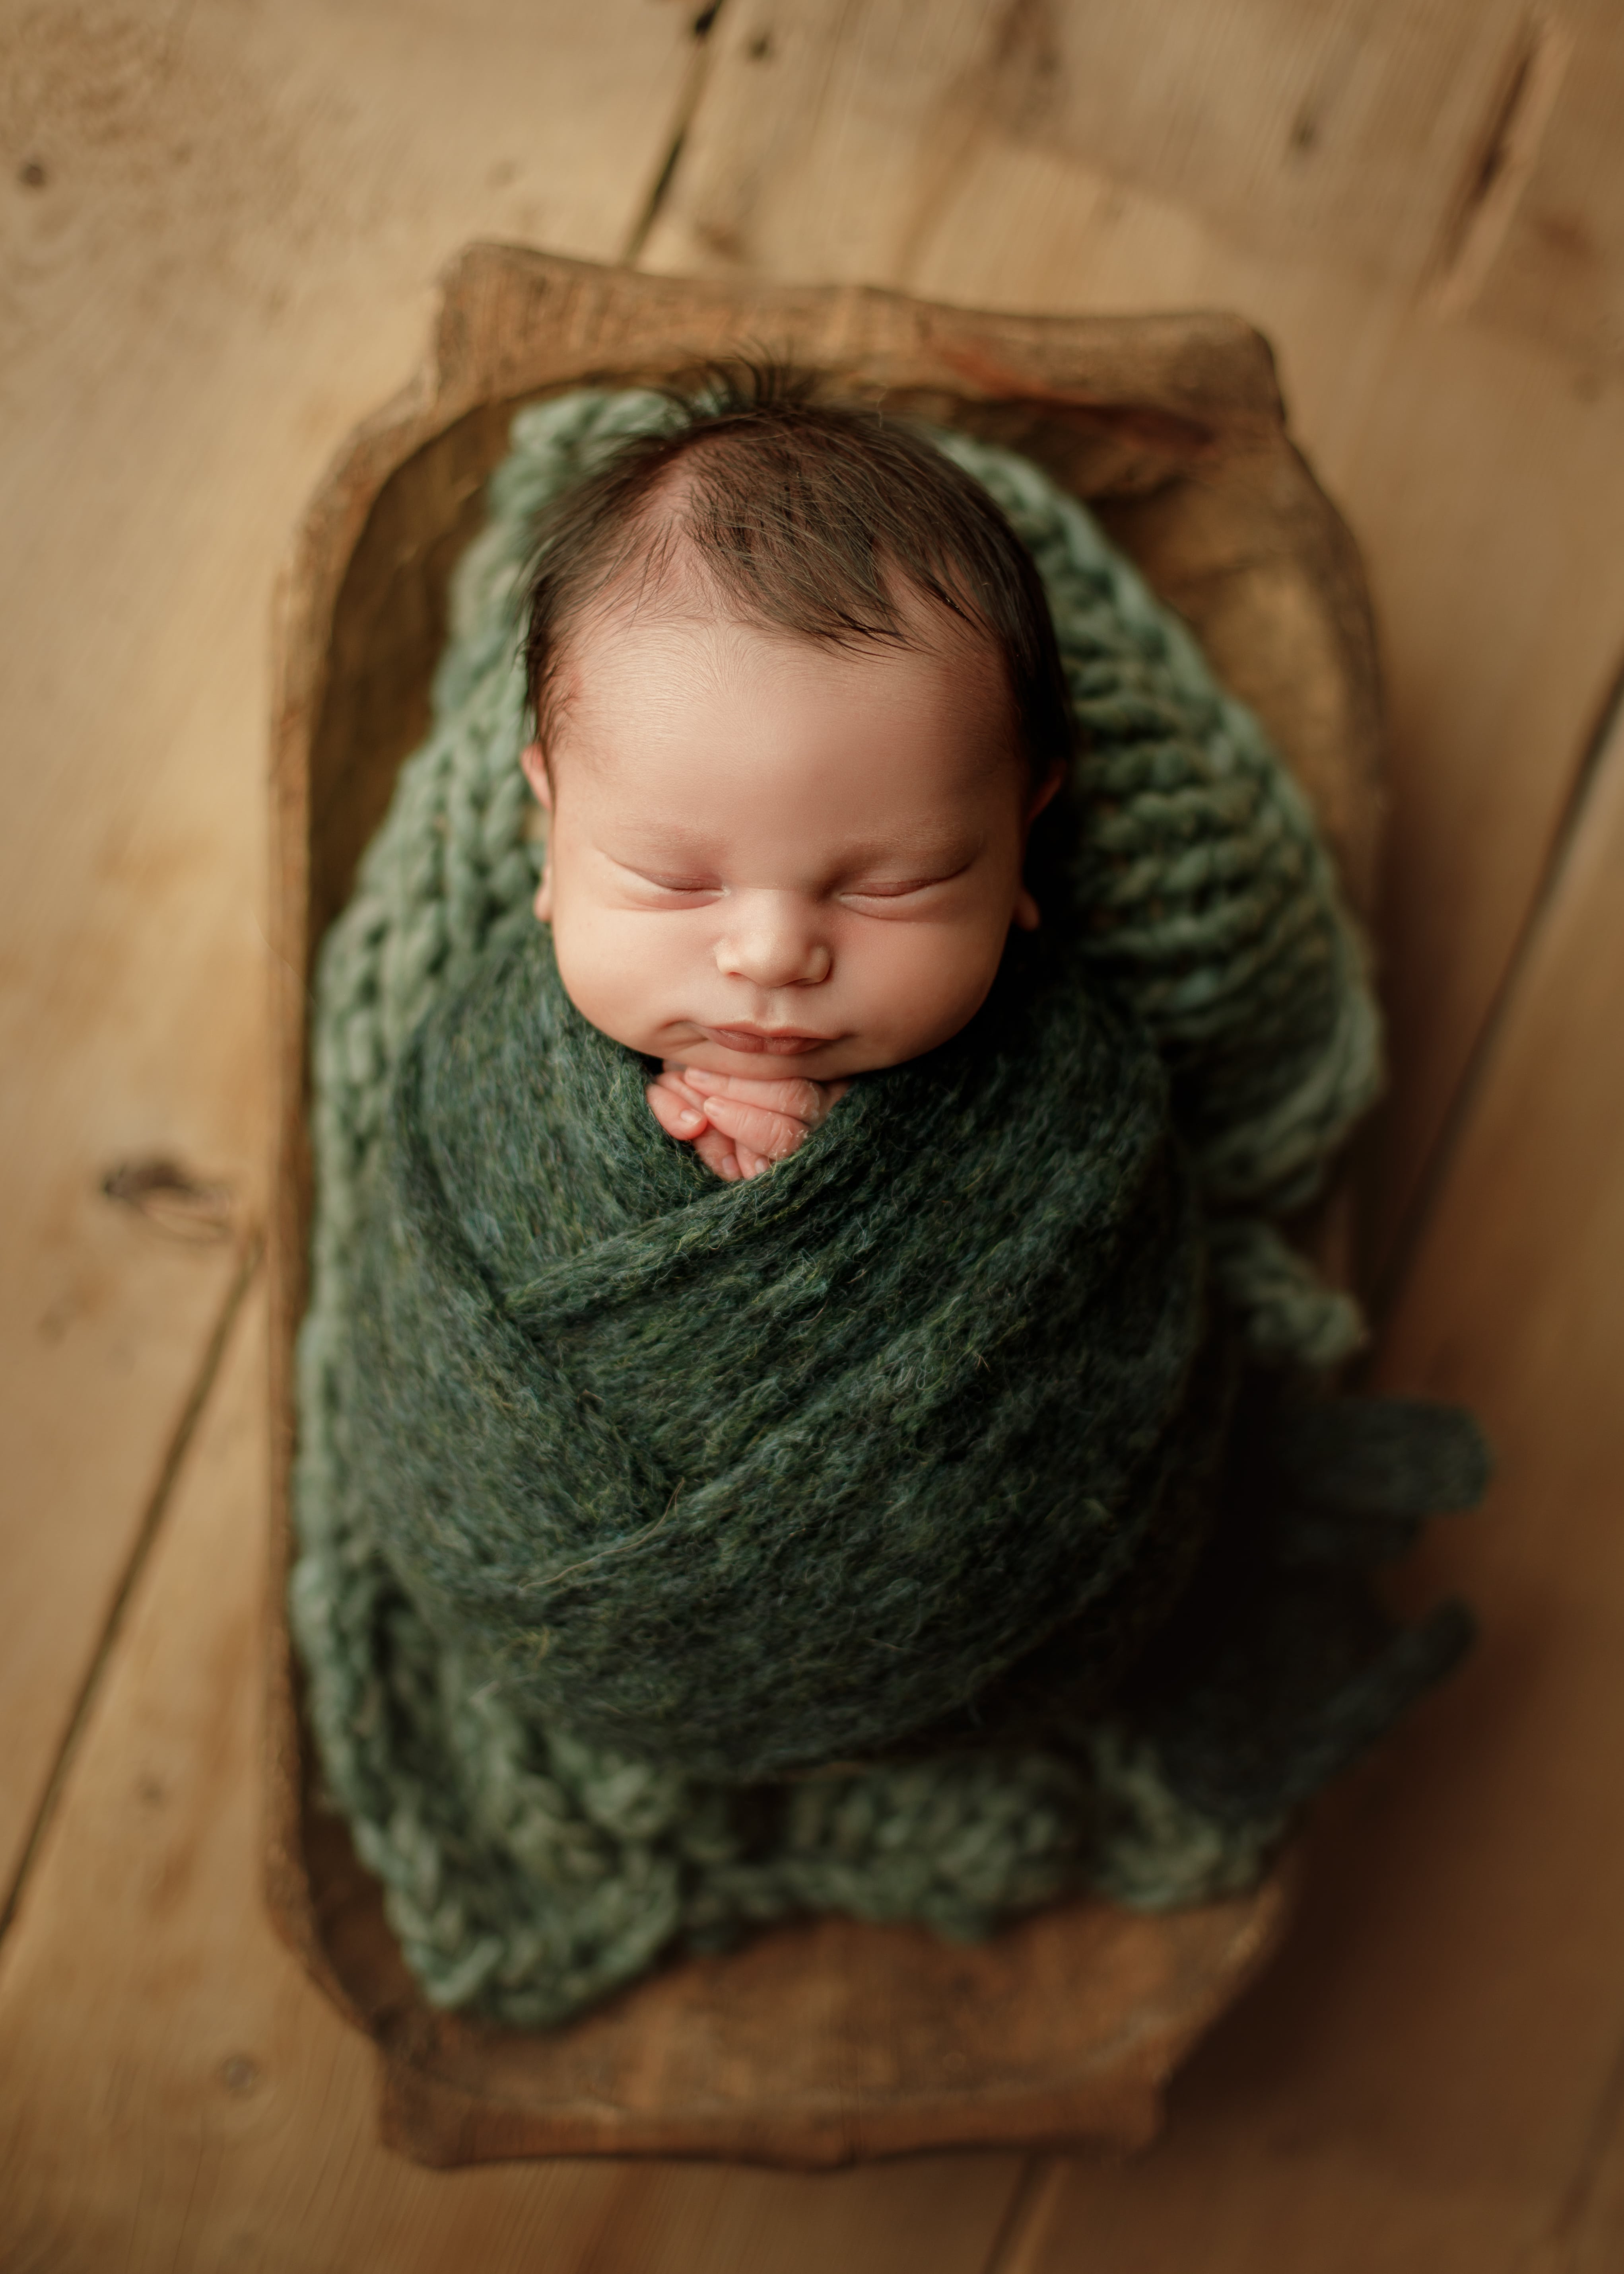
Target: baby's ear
{"x":536,"y":773}
{"x":1027,"y":913}
{"x":1048,"y":789}
{"x":534,"y":767}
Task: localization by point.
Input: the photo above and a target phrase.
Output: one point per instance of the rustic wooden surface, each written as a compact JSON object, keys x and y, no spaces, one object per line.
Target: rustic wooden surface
{"x":178,"y":2096}
{"x":227,"y":262}
{"x":220,"y":229}
{"x":1333,"y":171}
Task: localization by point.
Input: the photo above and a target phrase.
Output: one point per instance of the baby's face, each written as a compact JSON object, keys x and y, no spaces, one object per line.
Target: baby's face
{"x":771,"y":857}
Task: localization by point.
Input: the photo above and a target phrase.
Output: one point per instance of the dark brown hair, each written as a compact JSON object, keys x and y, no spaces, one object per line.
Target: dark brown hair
{"x":813,"y":517}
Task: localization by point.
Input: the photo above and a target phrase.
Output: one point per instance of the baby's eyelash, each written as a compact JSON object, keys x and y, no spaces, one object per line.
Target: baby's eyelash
{"x":897,"y":889}
{"x":889,"y":889}
{"x":676,"y":884}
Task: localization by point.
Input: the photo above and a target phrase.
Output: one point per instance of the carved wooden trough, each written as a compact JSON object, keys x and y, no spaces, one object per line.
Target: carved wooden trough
{"x":825,"y":2041}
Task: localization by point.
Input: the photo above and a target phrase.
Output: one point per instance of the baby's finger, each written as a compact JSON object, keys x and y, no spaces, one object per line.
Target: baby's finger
{"x":716,"y":1152}
{"x":752,"y":1164}
{"x":679,"y":1116}
{"x":675,"y":1077}
{"x":774,"y":1135}
{"x":677,"y":1102}
{"x":807,"y":1102}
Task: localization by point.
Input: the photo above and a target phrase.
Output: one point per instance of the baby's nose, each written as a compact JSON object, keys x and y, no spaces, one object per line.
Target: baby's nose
{"x":774,"y":942}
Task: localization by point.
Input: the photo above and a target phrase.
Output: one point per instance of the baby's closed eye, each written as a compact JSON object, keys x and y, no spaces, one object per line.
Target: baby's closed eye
{"x":884,"y":887}
{"x":673,"y":886}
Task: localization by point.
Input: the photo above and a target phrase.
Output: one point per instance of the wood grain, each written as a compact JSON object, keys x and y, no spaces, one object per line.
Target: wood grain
{"x":177,"y":2098}
{"x":1352,"y":180}
{"x":219,"y":226}
{"x":1432,"y":2078}
{"x":827,"y":2042}
{"x":1348,"y":132}
{"x":227,"y":259}
{"x":819,"y":2043}
{"x":1547,"y":256}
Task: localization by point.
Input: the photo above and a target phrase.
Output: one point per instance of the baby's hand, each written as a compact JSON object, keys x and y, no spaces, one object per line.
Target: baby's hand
{"x":738,"y":1126}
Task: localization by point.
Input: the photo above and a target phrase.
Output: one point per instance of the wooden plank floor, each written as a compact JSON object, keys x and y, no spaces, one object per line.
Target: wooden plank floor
{"x":221,"y":224}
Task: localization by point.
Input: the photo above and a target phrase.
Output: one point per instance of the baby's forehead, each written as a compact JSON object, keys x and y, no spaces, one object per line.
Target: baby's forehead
{"x":637,"y":636}
{"x":708,"y":682}
{"x":744,"y":746}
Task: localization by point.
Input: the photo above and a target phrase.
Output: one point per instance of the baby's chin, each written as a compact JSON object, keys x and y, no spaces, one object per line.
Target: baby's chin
{"x":761,"y":1056}
{"x":711,"y":1050}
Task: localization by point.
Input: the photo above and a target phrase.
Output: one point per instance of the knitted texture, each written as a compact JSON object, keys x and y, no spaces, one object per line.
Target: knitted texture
{"x":749,"y":1477}
{"x":579,"y":1579}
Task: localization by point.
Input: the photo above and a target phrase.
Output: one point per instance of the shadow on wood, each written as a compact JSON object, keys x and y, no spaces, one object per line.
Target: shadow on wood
{"x":825,"y":2041}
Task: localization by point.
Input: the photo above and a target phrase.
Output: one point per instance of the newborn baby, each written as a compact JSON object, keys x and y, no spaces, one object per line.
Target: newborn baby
{"x":798,"y":705}
{"x":636,"y":1508}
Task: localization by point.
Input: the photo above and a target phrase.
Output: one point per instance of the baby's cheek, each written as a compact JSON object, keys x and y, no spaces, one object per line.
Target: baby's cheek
{"x":610,"y":970}
{"x":923,"y":982}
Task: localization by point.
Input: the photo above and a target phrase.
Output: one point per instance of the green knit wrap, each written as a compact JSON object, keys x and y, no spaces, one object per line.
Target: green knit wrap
{"x":623,"y":1495}
{"x":746,"y":1479}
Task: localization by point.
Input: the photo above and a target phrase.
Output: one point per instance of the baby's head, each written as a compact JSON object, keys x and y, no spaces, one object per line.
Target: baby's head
{"x":798,"y":701}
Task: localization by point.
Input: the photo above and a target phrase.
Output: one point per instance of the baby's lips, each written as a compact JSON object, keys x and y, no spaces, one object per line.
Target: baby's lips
{"x":767,"y":1042}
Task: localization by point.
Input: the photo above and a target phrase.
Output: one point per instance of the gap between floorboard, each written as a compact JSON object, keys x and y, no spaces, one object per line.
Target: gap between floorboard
{"x":145,"y":1537}
{"x":1599,"y":746}
{"x":1025,"y":2217}
{"x":1557,"y":2251}
{"x":703,"y":27}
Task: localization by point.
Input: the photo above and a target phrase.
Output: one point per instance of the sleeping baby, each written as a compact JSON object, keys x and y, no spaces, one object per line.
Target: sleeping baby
{"x":805,"y":1404}
{"x":797,"y":703}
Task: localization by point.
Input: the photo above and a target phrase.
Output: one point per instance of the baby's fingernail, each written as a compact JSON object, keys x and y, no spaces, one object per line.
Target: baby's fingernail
{"x":687,"y":1118}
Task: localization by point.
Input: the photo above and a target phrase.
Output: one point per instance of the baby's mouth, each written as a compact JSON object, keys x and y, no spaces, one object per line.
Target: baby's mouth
{"x":779,"y":1042}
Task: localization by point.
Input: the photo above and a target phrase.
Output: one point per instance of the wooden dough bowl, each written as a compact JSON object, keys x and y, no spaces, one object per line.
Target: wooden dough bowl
{"x":825,"y":2041}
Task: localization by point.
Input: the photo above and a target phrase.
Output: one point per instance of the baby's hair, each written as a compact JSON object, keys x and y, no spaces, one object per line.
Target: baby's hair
{"x":816,"y":518}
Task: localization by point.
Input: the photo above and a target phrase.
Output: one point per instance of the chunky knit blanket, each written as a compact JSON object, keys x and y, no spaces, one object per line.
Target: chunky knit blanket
{"x":674,"y":1556}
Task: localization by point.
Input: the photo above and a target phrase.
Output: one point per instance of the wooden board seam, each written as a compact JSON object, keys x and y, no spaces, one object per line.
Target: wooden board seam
{"x":1603,"y":744}
{"x":1559,"y":2248}
{"x":705,"y":28}
{"x":1031,"y":2190}
{"x":158,"y":1503}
